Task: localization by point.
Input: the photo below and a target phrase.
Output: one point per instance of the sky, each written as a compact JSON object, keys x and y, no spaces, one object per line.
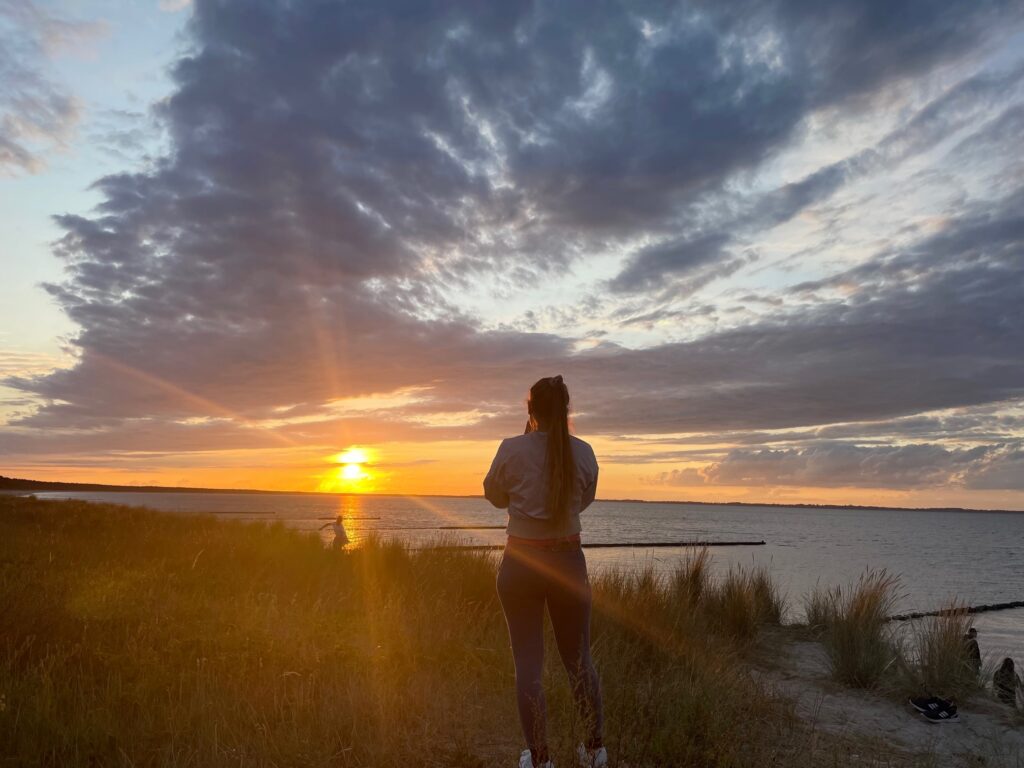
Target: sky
{"x":776,"y":249}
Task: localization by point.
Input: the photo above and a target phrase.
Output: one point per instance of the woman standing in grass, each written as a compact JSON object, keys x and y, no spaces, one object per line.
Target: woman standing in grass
{"x":545,"y":478}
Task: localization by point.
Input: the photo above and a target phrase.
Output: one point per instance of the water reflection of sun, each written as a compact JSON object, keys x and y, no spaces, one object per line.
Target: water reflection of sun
{"x":352,"y":475}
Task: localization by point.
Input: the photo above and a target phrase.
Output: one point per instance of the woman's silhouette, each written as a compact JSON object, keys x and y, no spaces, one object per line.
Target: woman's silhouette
{"x":545,"y":478}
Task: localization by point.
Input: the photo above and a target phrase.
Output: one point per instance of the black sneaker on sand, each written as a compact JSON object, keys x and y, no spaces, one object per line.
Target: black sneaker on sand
{"x":941,"y":716}
{"x":926,"y":704}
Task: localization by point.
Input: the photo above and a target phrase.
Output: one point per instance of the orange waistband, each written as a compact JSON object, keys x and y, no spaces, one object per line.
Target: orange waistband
{"x":563,"y":543}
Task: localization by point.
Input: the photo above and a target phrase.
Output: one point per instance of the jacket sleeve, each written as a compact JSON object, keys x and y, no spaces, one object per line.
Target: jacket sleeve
{"x":496,"y":483}
{"x":590,"y":489}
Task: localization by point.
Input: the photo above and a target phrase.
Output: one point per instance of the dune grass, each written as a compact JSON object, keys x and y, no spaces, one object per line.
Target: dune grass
{"x":129,"y":637}
{"x":924,"y":657}
{"x":936,"y":663}
{"x":856,"y":632}
{"x":820,"y":609}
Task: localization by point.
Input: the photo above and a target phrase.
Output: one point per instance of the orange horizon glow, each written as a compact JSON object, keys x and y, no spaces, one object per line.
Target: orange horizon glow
{"x":456,"y":468}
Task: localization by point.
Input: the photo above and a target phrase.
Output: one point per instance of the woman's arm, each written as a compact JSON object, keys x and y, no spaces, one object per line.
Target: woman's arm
{"x":589,"y":492}
{"x":495,"y":482}
{"x":590,"y":489}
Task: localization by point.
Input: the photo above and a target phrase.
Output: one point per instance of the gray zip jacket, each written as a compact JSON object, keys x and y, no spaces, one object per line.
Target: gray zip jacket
{"x":517,"y":482}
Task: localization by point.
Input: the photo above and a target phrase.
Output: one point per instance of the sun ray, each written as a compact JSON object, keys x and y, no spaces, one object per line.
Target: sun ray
{"x":210,"y":407}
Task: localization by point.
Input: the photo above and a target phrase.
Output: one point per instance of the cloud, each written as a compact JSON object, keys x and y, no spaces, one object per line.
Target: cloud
{"x":173,"y":6}
{"x":341,"y":174}
{"x":36,"y":114}
{"x":1002,"y":471}
{"x":837,"y":465}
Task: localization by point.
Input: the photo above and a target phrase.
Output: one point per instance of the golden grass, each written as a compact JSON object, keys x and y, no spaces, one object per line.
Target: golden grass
{"x":857,"y":635}
{"x":924,"y":657}
{"x":937,"y":663}
{"x":129,"y":637}
{"x":820,"y":609}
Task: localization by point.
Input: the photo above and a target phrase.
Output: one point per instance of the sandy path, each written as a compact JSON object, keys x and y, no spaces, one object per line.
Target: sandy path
{"x":987,"y":734}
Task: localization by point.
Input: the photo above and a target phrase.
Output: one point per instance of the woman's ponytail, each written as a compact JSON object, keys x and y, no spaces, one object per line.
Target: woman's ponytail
{"x":549,"y":401}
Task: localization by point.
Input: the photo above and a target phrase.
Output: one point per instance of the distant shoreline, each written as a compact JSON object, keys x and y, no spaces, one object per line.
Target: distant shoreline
{"x":19,"y":484}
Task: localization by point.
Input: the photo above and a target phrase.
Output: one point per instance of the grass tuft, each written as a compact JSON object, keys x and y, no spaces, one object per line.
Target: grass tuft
{"x":821,"y":607}
{"x":938,"y":664}
{"x":858,"y":638}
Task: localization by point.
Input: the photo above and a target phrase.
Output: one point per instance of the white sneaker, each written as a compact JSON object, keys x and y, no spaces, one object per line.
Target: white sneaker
{"x":586,"y":758}
{"x":526,"y":761}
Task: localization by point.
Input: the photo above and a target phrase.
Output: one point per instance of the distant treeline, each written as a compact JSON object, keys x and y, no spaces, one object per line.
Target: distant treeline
{"x":18,"y":484}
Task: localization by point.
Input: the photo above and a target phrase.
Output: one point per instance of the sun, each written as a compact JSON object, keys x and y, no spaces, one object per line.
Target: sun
{"x":352,"y":472}
{"x":353,"y":455}
{"x":352,"y":476}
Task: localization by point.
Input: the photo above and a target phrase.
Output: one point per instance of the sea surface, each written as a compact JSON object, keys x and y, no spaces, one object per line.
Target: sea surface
{"x":973,"y":557}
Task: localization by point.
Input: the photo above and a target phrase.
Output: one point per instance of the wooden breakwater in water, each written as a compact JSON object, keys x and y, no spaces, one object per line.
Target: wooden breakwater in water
{"x":958,"y":611}
{"x":626,"y":544}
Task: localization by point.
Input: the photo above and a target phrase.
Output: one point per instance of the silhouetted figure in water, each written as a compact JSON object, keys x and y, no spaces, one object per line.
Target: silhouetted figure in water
{"x":340,"y":535}
{"x":1005,"y":682}
{"x":972,"y":653}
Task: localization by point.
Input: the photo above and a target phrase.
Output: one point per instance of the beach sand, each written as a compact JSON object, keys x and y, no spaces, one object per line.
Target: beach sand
{"x":988,"y":733}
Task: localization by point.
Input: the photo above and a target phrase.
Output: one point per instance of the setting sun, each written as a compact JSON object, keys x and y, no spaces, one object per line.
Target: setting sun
{"x":352,"y":455}
{"x":352,"y":474}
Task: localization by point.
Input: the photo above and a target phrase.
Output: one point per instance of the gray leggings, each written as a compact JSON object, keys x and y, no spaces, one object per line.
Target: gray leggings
{"x":527,"y":578}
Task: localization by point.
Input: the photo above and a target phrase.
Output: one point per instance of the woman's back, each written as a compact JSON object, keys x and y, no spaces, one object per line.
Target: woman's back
{"x":518,"y":481}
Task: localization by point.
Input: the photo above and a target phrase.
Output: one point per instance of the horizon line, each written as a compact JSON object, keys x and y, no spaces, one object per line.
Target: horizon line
{"x":9,"y":483}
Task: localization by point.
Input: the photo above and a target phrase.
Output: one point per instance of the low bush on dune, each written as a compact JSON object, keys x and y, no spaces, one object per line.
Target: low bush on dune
{"x":129,"y":637}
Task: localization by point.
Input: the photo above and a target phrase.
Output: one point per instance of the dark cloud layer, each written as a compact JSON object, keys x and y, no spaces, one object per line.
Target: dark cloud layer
{"x":338,"y":171}
{"x":840,"y":465}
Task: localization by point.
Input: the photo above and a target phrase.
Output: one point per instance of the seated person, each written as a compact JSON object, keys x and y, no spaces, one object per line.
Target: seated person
{"x":1006,"y":682}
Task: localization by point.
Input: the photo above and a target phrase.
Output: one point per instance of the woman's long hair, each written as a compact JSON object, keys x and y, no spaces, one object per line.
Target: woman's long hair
{"x":549,"y":402}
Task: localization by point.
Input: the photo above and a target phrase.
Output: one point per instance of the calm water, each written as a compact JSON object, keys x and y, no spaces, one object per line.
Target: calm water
{"x":974,"y":556}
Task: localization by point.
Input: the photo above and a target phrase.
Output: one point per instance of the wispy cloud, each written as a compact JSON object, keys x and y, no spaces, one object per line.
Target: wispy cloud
{"x":37,"y":115}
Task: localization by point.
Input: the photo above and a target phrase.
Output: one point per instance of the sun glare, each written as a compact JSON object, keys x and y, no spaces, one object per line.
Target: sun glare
{"x":352,"y":474}
{"x":352,"y":456}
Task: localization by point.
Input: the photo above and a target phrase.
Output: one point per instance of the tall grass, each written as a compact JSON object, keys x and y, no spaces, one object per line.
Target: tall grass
{"x":926,"y":657}
{"x":769,"y":602}
{"x":858,"y":639}
{"x":820,"y":608}
{"x":129,"y":637}
{"x":938,"y":663}
{"x":743,"y":600}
